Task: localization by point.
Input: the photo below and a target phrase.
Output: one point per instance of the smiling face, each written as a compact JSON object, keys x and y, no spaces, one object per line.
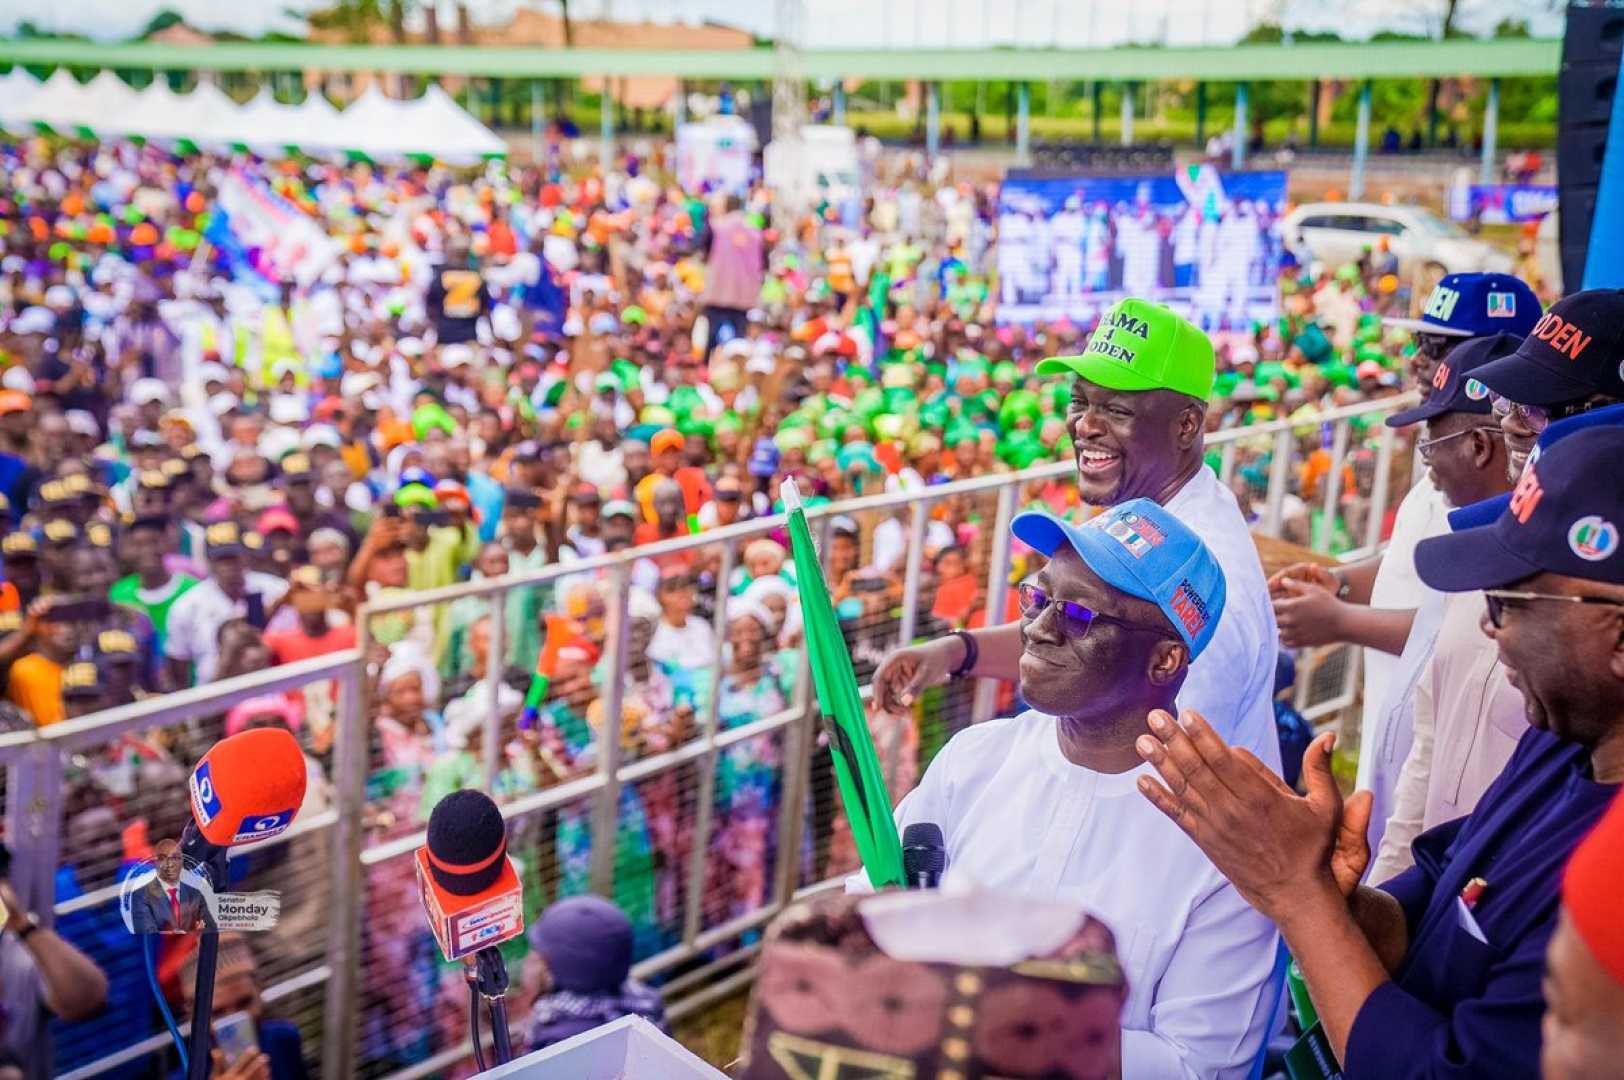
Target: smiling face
{"x":1105,"y":671}
{"x":1131,"y":444}
{"x":1542,"y":643}
{"x":1582,"y":1032}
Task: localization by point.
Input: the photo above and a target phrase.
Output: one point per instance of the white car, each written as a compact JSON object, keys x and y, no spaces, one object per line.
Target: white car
{"x":1428,"y":247}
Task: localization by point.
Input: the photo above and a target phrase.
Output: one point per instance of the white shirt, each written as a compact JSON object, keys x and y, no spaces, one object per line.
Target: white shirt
{"x":1386,"y":745}
{"x":193,"y":631}
{"x":1199,"y":961}
{"x":1423,"y":513}
{"x":1232,"y":682}
{"x":692,"y":645}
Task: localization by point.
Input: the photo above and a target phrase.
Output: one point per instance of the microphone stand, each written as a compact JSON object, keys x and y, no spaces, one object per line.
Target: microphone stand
{"x":492,"y":979}
{"x":211,"y":861}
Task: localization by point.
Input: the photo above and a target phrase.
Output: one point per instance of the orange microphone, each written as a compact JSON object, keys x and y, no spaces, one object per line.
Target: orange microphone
{"x":469,"y":886}
{"x":248,"y":787}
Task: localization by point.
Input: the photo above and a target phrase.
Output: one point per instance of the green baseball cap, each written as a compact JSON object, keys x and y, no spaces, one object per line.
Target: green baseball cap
{"x":1139,"y":345}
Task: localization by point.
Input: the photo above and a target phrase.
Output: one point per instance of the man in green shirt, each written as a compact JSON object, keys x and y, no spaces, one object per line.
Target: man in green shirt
{"x":152,"y":588}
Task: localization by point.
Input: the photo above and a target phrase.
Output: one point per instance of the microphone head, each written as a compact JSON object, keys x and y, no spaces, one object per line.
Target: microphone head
{"x":248,"y":787}
{"x":923,"y":850}
{"x":467,"y":842}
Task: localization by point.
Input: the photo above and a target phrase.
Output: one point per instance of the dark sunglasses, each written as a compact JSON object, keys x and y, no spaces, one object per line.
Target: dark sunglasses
{"x":729,"y":494}
{"x":1435,"y":346}
{"x":1495,"y":601}
{"x":1073,"y":616}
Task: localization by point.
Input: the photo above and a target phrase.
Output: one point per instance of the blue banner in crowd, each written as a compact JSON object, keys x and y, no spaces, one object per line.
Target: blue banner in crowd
{"x":1501,"y":204}
{"x":1203,"y":242}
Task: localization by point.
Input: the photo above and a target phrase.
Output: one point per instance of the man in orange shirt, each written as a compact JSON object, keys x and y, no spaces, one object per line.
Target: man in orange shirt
{"x":35,"y":681}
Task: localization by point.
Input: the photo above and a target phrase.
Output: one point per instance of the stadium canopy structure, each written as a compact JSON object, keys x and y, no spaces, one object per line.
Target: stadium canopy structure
{"x":1501,"y":57}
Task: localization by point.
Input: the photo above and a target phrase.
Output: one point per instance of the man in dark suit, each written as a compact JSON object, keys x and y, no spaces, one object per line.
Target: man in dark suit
{"x":166,"y":904}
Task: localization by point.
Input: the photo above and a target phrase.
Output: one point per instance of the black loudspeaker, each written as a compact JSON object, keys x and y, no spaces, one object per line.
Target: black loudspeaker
{"x":1591,"y":47}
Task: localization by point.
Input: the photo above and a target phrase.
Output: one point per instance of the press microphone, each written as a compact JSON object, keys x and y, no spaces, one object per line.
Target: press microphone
{"x":471,"y":894}
{"x":924,"y":855}
{"x":247,"y":788}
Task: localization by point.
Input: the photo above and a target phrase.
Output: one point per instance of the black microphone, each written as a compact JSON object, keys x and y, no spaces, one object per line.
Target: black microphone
{"x":924,"y":855}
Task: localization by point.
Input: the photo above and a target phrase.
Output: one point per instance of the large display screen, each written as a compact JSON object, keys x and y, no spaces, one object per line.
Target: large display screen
{"x":1205,"y":243}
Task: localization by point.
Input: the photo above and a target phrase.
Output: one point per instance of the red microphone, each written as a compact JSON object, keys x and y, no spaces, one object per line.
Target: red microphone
{"x":469,"y":886}
{"x":248,"y":787}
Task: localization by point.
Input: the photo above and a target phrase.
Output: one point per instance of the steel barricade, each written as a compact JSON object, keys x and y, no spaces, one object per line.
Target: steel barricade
{"x":704,"y":818}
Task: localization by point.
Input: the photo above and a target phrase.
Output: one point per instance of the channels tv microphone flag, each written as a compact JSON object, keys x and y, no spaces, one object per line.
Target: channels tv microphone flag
{"x":857,"y":766}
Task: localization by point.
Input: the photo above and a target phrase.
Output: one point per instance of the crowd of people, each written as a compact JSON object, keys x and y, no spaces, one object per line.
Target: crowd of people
{"x":214,"y":455}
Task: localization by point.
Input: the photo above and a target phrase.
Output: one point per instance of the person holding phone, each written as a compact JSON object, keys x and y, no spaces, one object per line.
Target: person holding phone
{"x":40,"y":975}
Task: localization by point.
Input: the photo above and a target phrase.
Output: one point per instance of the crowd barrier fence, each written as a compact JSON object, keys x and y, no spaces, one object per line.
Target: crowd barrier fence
{"x":344,"y":881}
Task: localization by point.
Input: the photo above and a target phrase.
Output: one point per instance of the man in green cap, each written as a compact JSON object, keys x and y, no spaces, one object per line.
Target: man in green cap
{"x":1136,"y":420}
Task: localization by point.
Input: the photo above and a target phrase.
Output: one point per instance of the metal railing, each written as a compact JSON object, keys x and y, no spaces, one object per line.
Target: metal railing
{"x":358,"y":874}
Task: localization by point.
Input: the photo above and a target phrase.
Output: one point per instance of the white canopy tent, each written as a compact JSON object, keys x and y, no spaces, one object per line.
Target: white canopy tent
{"x":374,"y":125}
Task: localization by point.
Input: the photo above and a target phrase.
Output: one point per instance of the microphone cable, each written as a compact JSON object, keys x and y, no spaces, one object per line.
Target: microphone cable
{"x":147,"y":950}
{"x":473,"y":1020}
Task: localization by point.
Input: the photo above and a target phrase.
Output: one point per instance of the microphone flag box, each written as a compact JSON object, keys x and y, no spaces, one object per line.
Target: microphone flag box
{"x":463,"y":925}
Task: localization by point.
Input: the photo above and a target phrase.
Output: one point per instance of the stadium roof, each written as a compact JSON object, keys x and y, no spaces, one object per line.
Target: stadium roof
{"x":1355,"y":60}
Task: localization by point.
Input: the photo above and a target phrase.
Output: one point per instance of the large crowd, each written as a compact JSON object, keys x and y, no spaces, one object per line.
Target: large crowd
{"x":213,"y":454}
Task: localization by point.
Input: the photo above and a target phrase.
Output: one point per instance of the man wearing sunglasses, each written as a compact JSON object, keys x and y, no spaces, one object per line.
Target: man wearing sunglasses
{"x":1136,"y":421}
{"x":1438,"y":971}
{"x":1571,"y":362}
{"x":1043,"y":803}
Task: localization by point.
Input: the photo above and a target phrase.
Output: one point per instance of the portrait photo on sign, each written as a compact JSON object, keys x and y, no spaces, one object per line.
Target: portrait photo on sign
{"x":168,"y":896}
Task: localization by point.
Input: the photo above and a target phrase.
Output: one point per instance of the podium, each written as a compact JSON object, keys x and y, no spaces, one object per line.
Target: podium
{"x":626,"y":1048}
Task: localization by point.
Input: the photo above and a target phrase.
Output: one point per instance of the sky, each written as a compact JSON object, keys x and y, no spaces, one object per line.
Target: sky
{"x":853,"y":23}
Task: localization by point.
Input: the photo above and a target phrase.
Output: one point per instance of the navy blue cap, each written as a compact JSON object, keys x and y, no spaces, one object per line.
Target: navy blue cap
{"x":1575,"y":350}
{"x":763,"y":458}
{"x":1559,"y":519}
{"x":1454,"y":387}
{"x":1476,"y":305}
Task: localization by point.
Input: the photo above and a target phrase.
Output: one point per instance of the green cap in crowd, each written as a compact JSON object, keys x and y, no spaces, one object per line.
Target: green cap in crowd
{"x":1139,"y":345}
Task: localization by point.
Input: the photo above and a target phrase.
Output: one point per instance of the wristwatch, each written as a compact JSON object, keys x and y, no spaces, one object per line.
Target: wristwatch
{"x":1342,"y":586}
{"x":29,"y":928}
{"x":972,"y":652}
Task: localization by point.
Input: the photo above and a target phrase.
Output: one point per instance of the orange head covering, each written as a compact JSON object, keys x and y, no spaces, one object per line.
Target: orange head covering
{"x":1590,"y":890}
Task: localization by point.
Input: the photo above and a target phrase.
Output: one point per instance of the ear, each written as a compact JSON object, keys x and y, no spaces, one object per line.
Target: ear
{"x":1192,"y":421}
{"x":1484,"y":448}
{"x":1167,"y":662}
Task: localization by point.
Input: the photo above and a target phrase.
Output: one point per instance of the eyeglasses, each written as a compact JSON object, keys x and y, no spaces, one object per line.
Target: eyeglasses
{"x":1536,"y":417}
{"x":1495,"y":600}
{"x":1424,"y":446}
{"x":1073,"y":616}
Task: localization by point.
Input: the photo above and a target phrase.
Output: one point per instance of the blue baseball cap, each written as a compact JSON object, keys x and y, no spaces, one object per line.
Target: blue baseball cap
{"x":1475,"y":305}
{"x":1454,"y":387}
{"x":763,"y":458}
{"x":1560,"y":519}
{"x":1140,"y":548}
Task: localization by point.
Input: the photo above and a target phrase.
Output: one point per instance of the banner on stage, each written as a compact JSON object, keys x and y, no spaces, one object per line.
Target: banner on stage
{"x":1501,"y":204}
{"x":1203,"y":242}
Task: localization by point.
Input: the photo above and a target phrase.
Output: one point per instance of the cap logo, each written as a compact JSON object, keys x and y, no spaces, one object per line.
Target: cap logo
{"x":1441,"y":304}
{"x":1593,"y":538}
{"x":1104,"y":340}
{"x":1440,"y":377}
{"x":1526,"y":496}
{"x":1133,"y":531}
{"x":1561,"y":335}
{"x":1476,"y":391}
{"x":1502,"y":305}
{"x":1190,"y":609}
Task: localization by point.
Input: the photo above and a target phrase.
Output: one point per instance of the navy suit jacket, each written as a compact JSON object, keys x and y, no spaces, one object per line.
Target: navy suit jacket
{"x":150,"y":912}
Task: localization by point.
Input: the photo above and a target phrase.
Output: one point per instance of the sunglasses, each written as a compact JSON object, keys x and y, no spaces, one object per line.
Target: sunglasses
{"x":729,"y":494}
{"x":1495,"y":600}
{"x":1435,"y":346}
{"x":1073,"y":616}
{"x":1535,"y":417}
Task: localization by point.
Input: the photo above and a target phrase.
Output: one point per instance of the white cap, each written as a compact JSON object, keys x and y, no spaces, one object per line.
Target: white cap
{"x":289,"y":409}
{"x":322,"y":435}
{"x":34,"y":320}
{"x":59,"y":296}
{"x":17,"y":378}
{"x":278,"y":441}
{"x":213,"y":372}
{"x":82,"y":423}
{"x":456,"y":356}
{"x":148,"y":391}
{"x":409,"y":346}
{"x":222,"y":403}
{"x":286,"y":366}
{"x":356,"y":383}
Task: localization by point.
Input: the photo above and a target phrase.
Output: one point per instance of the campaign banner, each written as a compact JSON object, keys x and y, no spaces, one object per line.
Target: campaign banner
{"x":1203,"y":242}
{"x":248,"y":911}
{"x":275,"y":238}
{"x":1501,"y":204}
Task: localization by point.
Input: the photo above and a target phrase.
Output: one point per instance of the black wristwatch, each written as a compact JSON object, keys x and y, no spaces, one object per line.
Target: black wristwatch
{"x":972,"y":653}
{"x":33,"y":924}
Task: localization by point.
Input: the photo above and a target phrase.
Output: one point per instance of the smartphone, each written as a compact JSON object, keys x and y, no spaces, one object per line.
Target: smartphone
{"x":78,"y":609}
{"x":235,"y":1036}
{"x":432,"y":518}
{"x":390,"y":510}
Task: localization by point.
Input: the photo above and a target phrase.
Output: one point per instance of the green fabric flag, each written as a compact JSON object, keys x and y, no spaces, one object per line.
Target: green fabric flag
{"x":857,"y":766}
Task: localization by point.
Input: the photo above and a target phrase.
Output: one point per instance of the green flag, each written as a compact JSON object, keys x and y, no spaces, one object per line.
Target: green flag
{"x":857,"y":767}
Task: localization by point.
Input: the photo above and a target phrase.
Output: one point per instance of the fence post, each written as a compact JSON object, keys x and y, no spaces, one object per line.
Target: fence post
{"x":986,"y":699}
{"x":1378,"y":490}
{"x":705,"y":766}
{"x":340,"y":1017}
{"x":910,"y":577}
{"x":1279,"y":473}
{"x":606,"y":814}
{"x":1333,"y":486}
{"x":495,"y":664}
